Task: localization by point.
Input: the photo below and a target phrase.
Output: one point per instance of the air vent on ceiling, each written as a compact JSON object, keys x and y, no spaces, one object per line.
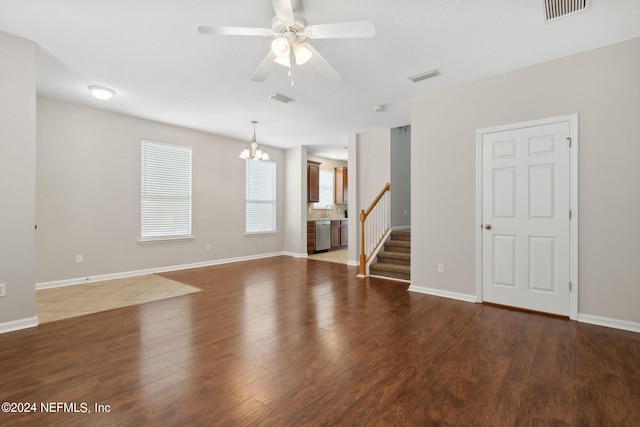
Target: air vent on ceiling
{"x":423,"y":76}
{"x":554,"y":9}
{"x":280,"y":97}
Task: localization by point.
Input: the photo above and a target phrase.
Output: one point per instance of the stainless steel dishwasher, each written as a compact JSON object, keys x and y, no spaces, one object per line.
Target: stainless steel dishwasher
{"x":323,"y":235}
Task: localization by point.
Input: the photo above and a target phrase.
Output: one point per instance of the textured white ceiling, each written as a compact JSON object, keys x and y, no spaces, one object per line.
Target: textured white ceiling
{"x":150,"y":53}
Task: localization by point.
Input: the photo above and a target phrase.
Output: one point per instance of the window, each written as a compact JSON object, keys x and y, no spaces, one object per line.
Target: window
{"x":261,"y":197}
{"x":326,"y":190}
{"x":165,"y":191}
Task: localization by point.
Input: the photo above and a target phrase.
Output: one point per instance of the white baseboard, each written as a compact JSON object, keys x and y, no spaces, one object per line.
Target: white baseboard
{"x":401,"y":227}
{"x":122,"y":275}
{"x":609,"y":322}
{"x":16,"y":325}
{"x":441,"y":293}
{"x":388,"y":278}
{"x":353,"y":263}
{"x":295,"y":255}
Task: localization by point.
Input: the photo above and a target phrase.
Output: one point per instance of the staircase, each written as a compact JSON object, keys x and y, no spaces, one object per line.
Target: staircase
{"x":394,"y":260}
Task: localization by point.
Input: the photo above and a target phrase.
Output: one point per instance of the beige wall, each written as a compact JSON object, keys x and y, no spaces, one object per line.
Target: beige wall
{"x":295,"y":236}
{"x":17,"y":182}
{"x":603,"y":87}
{"x":88,"y":202}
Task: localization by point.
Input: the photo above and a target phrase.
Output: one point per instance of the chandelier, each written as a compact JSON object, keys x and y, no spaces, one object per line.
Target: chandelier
{"x":254,"y":152}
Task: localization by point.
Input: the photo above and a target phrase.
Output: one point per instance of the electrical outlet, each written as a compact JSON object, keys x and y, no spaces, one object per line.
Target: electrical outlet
{"x":440,"y":267}
{"x":78,"y":259}
{"x":3,"y":289}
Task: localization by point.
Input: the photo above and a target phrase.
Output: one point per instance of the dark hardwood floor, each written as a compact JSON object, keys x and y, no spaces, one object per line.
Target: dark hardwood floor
{"x":294,"y":342}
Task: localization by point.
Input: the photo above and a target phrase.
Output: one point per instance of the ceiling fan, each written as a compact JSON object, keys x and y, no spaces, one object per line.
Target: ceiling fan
{"x":289,"y":30}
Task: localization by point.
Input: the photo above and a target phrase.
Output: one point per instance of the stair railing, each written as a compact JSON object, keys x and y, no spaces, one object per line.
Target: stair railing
{"x":374,"y":225}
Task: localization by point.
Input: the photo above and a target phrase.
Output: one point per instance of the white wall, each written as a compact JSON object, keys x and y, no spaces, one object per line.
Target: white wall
{"x":295,"y":237}
{"x":374,"y":166}
{"x":353,"y":250}
{"x":603,"y":87}
{"x":401,"y":176}
{"x":88,"y":195}
{"x":372,"y":172}
{"x":17,"y":182}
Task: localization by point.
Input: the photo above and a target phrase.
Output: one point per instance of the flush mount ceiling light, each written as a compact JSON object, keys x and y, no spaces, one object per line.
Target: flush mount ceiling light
{"x":423,"y":76}
{"x":254,"y":152}
{"x":102,"y":92}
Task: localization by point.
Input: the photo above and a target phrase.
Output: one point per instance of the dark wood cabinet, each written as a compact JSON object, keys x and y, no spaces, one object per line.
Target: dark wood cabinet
{"x":311,"y":237}
{"x":341,"y":185}
{"x":313,"y":181}
{"x":335,"y":234}
{"x":344,"y":232}
{"x":339,"y":233}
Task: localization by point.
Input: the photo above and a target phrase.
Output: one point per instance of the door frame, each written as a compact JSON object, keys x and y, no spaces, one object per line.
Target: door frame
{"x":573,"y":201}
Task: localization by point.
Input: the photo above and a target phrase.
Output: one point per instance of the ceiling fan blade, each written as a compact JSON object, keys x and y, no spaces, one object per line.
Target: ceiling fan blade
{"x":322,"y":65}
{"x":343,"y":30}
{"x":235,"y":31}
{"x":265,"y":67}
{"x":284,"y":10}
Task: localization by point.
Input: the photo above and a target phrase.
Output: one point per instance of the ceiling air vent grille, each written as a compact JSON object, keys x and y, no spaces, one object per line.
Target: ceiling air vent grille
{"x":280,"y":97}
{"x":554,"y":9}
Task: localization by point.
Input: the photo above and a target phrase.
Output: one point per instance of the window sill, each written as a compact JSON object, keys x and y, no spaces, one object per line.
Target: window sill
{"x":154,"y":240}
{"x":260,"y":233}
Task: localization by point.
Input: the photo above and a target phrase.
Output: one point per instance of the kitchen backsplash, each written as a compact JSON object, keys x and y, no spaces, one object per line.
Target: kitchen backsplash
{"x":319,"y":213}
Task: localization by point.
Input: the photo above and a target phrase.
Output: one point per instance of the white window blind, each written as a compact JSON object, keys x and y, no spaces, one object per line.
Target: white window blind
{"x":326,"y":190}
{"x":261,"y":197}
{"x":165,"y":191}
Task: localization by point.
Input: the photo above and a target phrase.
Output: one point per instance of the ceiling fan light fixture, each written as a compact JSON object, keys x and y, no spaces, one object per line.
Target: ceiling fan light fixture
{"x":302,"y":52}
{"x":280,"y":47}
{"x":286,"y":61}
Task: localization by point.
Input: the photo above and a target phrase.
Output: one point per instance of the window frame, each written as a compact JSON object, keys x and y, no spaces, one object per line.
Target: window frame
{"x":320,"y":203}
{"x":181,"y":154}
{"x":270,"y":200}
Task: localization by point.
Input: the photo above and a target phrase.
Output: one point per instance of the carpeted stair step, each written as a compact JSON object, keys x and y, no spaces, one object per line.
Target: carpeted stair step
{"x":390,"y":270}
{"x":397,"y":246}
{"x":401,"y":235}
{"x":400,"y":258}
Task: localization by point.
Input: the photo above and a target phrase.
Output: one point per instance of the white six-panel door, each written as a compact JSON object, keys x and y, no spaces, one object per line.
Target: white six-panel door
{"x":525,"y":218}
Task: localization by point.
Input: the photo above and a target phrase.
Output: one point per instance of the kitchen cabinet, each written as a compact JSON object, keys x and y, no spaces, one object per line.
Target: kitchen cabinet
{"x":341,"y":185}
{"x":313,"y":181}
{"x":344,"y":232}
{"x":335,"y":234}
{"x":339,"y":233}
{"x":311,"y":237}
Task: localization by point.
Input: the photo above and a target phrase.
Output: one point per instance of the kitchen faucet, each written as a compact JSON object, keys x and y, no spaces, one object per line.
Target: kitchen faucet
{"x":326,"y":215}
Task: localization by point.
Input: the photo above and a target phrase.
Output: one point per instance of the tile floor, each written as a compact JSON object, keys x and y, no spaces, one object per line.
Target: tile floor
{"x":71,"y":301}
{"x":339,"y":256}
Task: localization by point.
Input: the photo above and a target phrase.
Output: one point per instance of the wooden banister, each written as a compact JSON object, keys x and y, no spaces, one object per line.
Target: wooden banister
{"x":386,"y":188}
{"x":363,"y":217}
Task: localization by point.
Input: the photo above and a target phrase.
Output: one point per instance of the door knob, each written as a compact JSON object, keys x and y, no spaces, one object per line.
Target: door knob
{"x":487,"y":226}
